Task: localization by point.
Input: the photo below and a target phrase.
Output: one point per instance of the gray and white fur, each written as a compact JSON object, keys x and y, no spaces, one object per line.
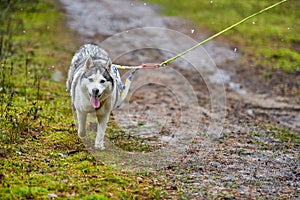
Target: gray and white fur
{"x":93,"y":86}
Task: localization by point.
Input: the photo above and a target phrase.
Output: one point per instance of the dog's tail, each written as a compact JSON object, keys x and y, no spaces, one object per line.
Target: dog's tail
{"x":126,"y":86}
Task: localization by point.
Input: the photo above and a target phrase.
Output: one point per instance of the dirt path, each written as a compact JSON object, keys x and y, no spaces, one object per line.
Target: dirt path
{"x":175,"y":107}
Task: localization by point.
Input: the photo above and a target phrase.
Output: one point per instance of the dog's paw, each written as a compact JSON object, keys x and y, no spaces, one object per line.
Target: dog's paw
{"x":99,"y":146}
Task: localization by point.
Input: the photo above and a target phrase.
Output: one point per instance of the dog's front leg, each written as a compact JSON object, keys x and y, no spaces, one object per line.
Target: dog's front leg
{"x":81,"y":117}
{"x":101,"y":128}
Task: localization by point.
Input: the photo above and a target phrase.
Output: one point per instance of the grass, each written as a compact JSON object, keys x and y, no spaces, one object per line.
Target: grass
{"x":284,"y":135}
{"x":37,"y":125}
{"x":275,"y":138}
{"x":271,"y":39}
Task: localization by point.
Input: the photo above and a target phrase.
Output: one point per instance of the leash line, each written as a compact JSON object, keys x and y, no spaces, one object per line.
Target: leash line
{"x":142,"y":66}
{"x":166,"y":62}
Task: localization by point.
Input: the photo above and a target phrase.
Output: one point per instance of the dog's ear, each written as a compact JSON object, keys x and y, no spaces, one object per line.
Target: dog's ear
{"x":88,"y":63}
{"x":108,"y":65}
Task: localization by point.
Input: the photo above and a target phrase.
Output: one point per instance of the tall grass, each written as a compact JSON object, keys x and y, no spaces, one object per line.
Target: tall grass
{"x":25,"y":107}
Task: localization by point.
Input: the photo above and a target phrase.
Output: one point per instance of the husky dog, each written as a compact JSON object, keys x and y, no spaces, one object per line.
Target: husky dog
{"x":95,"y":86}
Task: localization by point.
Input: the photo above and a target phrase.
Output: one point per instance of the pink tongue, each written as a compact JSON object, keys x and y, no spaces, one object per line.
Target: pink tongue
{"x":95,"y":102}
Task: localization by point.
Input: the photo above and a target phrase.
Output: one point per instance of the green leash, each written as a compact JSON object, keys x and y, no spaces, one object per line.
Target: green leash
{"x":125,"y":88}
{"x":165,"y":63}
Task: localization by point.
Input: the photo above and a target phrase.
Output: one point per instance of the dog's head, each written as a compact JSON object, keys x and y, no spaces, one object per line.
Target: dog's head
{"x":97,"y":80}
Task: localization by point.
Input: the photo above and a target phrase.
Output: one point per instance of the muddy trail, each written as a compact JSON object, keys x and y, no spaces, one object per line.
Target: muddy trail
{"x":214,"y":122}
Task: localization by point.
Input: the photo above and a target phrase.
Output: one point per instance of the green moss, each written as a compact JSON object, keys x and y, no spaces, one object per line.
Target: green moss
{"x":274,"y":138}
{"x":284,"y":135}
{"x":286,"y":59}
{"x":36,"y":120}
{"x":25,"y":192}
{"x":95,"y":197}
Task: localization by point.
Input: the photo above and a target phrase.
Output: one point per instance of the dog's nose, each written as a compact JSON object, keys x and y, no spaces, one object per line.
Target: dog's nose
{"x":95,"y":91}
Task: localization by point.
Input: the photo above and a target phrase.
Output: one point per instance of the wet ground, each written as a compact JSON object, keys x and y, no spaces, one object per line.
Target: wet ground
{"x":206,"y":94}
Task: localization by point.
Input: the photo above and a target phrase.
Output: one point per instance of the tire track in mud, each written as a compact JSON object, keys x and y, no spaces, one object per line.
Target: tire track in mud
{"x":243,"y":163}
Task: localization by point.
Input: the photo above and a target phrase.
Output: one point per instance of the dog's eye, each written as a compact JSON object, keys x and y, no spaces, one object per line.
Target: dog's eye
{"x":91,"y":80}
{"x":102,"y":81}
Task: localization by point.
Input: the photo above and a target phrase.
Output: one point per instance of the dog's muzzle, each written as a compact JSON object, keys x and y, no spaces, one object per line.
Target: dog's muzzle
{"x":95,"y":98}
{"x":95,"y":92}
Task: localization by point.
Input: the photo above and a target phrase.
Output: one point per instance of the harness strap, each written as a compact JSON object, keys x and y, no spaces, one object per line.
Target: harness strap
{"x":142,"y":66}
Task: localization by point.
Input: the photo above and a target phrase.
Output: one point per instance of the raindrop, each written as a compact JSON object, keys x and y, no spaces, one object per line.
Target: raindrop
{"x":249,"y":112}
{"x":235,"y":50}
{"x":24,"y":31}
{"x":211,"y":1}
{"x":145,"y":4}
{"x":52,"y":196}
{"x":289,"y":28}
{"x":131,"y":4}
{"x":192,"y":31}
{"x":62,"y":155}
{"x":253,"y":22}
